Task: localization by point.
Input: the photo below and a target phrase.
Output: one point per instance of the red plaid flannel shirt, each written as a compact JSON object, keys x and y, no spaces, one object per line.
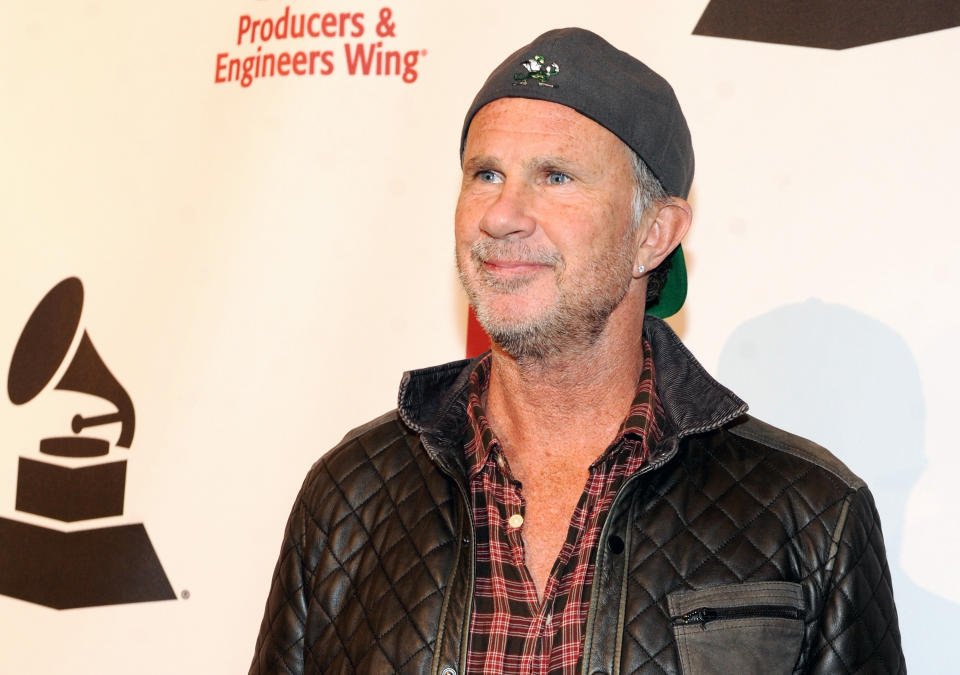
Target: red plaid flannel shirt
{"x":510,"y":630}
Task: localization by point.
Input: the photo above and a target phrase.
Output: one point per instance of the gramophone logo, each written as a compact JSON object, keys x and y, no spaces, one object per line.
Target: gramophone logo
{"x":74,"y":482}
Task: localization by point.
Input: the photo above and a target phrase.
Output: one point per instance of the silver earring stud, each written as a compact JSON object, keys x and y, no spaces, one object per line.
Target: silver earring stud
{"x":640,"y":269}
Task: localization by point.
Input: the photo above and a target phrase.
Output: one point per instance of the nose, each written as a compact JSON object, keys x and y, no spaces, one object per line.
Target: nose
{"x":507,"y":217}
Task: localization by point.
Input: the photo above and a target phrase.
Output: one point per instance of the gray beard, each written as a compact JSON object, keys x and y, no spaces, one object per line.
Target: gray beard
{"x":574,"y":323}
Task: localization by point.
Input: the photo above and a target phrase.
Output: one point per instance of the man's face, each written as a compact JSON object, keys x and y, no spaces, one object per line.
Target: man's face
{"x":543,"y":225}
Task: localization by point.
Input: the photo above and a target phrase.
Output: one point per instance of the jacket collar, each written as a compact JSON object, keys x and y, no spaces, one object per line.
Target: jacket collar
{"x":692,"y":400}
{"x":433,"y":401}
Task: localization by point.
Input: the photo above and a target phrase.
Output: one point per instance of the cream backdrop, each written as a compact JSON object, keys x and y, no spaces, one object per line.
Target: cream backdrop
{"x":261,"y":264}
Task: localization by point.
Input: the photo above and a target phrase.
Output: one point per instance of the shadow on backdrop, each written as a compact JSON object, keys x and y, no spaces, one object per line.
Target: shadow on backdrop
{"x":849,"y":383}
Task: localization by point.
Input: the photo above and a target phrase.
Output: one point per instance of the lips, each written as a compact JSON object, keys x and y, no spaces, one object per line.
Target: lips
{"x":513,"y":266}
{"x":510,"y":274}
{"x":494,"y":254}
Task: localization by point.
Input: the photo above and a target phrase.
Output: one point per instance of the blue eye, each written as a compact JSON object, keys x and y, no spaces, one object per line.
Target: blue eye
{"x":488,"y":176}
{"x":558,"y":178}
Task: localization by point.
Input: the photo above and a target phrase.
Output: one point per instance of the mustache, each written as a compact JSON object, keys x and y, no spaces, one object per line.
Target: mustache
{"x":484,"y":250}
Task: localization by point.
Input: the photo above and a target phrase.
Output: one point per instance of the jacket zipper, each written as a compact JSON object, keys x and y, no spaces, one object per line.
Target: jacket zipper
{"x":464,"y":503}
{"x":704,"y":615}
{"x":604,"y":533}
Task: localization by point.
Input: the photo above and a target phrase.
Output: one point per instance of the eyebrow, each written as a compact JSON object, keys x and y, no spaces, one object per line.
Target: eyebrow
{"x":545,"y":162}
{"x":479,"y":162}
{"x":552,"y":163}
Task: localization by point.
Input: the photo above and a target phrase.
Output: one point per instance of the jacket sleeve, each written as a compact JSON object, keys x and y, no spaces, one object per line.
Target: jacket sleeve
{"x":281,"y":639}
{"x":858,"y":630}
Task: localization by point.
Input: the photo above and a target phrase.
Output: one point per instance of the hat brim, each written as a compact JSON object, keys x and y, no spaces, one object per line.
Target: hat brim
{"x":674,"y":291}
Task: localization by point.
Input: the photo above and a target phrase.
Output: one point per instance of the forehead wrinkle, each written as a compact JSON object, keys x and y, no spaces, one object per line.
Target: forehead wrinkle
{"x":501,"y":117}
{"x":557,"y":137}
{"x":537,"y":163}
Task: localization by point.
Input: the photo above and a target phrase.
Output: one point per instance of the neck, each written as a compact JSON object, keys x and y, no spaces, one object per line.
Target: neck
{"x":573,"y":401}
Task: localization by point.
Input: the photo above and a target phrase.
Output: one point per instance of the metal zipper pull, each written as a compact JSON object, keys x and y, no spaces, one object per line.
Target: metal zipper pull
{"x":704,"y":615}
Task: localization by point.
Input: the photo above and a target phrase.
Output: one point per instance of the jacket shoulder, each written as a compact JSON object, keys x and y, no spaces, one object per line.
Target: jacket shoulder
{"x":363,"y":563}
{"x":378,"y":431}
{"x":367,"y":455}
{"x":365,"y":441}
{"x":752,"y":429}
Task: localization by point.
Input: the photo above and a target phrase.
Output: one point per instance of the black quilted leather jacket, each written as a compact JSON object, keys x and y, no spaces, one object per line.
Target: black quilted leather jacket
{"x":738,"y":548}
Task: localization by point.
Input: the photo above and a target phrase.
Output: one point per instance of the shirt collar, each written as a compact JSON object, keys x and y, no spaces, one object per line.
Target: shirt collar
{"x":644,"y":420}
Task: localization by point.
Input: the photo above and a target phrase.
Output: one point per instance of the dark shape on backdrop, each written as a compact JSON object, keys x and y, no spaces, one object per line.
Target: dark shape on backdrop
{"x":88,"y":567}
{"x":827,"y":24}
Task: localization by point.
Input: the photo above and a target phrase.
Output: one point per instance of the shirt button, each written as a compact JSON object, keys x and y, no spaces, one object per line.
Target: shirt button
{"x":515,"y":521}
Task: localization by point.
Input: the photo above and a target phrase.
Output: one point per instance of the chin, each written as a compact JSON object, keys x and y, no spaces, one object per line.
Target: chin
{"x":530,"y":326}
{"x":521,"y":331}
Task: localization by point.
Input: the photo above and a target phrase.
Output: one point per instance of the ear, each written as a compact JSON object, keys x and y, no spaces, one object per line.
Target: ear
{"x":666,"y":228}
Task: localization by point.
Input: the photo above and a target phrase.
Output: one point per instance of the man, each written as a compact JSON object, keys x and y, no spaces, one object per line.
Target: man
{"x":585,"y":498}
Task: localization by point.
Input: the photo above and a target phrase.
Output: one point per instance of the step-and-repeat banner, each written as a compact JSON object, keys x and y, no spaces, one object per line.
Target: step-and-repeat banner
{"x":227,"y":231}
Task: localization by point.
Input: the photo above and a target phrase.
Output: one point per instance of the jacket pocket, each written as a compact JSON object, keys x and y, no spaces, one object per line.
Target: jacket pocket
{"x":739,"y":628}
